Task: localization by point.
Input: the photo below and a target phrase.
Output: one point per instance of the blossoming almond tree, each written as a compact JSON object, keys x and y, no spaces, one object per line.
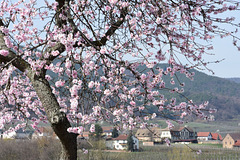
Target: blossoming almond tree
{"x":75,"y":62}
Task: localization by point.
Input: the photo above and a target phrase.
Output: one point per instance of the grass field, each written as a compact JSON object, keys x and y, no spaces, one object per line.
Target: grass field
{"x":50,"y":150}
{"x":162,"y":152}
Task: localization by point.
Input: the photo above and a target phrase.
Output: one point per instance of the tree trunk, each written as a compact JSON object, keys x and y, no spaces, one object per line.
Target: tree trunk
{"x":56,"y":118}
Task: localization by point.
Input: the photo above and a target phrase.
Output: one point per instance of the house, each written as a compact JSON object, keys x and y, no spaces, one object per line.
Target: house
{"x":166,"y":133}
{"x":174,"y":134}
{"x":9,"y":135}
{"x":183,"y":134}
{"x":216,"y":136}
{"x":204,"y":136}
{"x":44,"y":132}
{"x":237,"y":144}
{"x":107,"y":131}
{"x":153,"y":134}
{"x":144,"y":135}
{"x":120,"y":143}
{"x":231,"y":140}
{"x":23,"y":134}
{"x":156,"y":134}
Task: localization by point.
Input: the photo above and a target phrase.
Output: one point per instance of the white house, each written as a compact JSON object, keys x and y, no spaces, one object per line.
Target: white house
{"x":9,"y":135}
{"x":120,"y":143}
{"x":166,"y":134}
{"x":204,"y":136}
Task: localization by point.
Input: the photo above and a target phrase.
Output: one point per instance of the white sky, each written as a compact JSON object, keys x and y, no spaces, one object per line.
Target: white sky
{"x":230,"y":67}
{"x":224,"y":49}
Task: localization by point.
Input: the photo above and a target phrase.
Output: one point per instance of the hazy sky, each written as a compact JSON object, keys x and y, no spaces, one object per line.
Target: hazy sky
{"x":230,"y":67}
{"x":223,"y":49}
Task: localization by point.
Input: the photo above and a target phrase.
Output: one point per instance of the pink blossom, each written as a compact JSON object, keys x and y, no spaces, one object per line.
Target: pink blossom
{"x":74,"y":103}
{"x":103,"y":50}
{"x":97,"y":110}
{"x":199,"y":151}
{"x":68,"y":63}
{"x":146,"y":118}
{"x":4,"y":52}
{"x":91,"y":84}
{"x":8,"y":43}
{"x":183,"y":114}
{"x":133,"y":103}
{"x":141,"y":108}
{"x":158,"y":20}
{"x":143,"y":77}
{"x":77,"y":130}
{"x":92,"y":128}
{"x":74,"y":74}
{"x":154,"y":115}
{"x":107,"y":92}
{"x":170,"y":125}
{"x":85,"y":151}
{"x":122,"y":69}
{"x":130,"y":109}
{"x":167,"y":141}
{"x":54,"y":5}
{"x":113,"y":1}
{"x":108,"y":8}
{"x":55,"y":53}
{"x":60,"y":83}
{"x":131,"y":120}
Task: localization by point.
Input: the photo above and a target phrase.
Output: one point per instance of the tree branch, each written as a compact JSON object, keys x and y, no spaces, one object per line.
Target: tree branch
{"x":17,"y":61}
{"x":109,"y":33}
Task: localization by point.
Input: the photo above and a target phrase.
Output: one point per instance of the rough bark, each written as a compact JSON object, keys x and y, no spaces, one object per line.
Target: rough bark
{"x":57,"y":119}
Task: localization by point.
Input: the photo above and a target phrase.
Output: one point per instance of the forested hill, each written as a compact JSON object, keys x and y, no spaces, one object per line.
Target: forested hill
{"x":237,"y":80}
{"x":222,"y":94}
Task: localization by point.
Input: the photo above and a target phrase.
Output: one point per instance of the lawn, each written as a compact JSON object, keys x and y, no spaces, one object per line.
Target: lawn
{"x":162,"y":152}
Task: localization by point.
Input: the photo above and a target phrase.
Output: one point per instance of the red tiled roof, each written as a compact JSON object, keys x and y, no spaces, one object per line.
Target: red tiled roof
{"x":121,"y":137}
{"x":216,"y":136}
{"x":237,"y":143}
{"x":203,"y":134}
{"x":107,"y":128}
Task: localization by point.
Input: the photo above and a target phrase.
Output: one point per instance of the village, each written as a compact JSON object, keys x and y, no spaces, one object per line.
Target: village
{"x":141,"y":137}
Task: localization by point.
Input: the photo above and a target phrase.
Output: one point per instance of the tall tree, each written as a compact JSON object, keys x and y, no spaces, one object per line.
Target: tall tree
{"x":115,"y":133}
{"x":97,"y":134}
{"x":130,"y":143}
{"x":73,"y":63}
